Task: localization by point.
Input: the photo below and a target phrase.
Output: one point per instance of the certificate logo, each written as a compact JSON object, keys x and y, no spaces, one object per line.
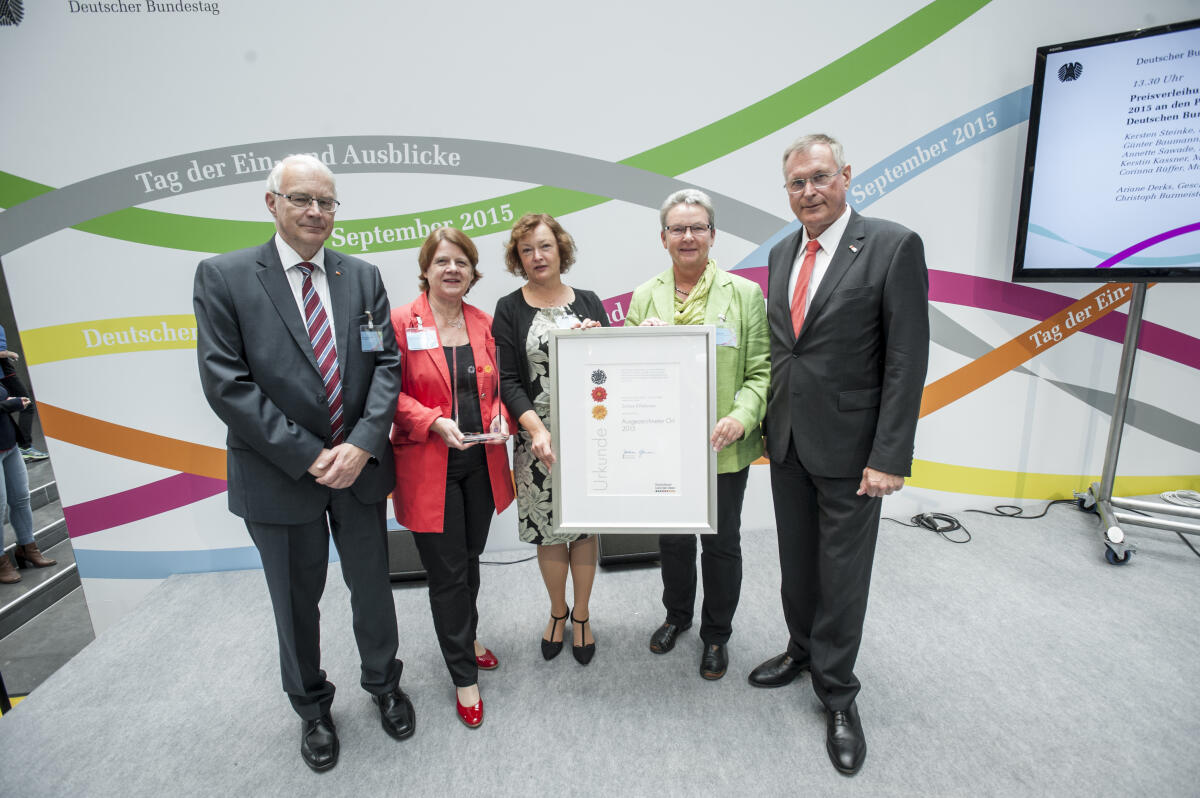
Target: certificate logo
{"x":598,"y":440}
{"x":11,"y":12}
{"x":1069,"y":72}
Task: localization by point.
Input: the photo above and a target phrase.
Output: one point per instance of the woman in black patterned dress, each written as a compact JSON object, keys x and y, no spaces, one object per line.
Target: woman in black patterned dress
{"x":540,"y":250}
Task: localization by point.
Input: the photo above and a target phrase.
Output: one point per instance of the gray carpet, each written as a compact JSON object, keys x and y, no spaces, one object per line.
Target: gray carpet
{"x":1018,"y":664}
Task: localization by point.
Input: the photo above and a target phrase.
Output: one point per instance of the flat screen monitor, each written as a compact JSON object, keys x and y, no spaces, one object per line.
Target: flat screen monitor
{"x":1111,"y":188}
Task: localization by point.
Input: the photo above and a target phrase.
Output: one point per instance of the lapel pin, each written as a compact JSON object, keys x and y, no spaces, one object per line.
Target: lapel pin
{"x":339,"y":274}
{"x":853,"y":248}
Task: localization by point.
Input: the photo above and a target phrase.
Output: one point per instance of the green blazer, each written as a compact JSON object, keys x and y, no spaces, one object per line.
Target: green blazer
{"x":743,"y":370}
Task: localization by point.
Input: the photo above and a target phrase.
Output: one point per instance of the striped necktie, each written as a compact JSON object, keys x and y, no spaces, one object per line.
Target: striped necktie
{"x":321,"y":336}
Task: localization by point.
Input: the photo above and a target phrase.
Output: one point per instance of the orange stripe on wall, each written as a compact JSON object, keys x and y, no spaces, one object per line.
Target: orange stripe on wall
{"x":131,"y":444}
{"x":1037,"y":339}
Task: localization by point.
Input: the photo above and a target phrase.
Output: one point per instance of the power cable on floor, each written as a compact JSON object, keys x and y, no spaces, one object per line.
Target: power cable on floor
{"x":942,"y":523}
{"x":1187,"y":498}
{"x":936,"y":522}
{"x":1186,"y":542}
{"x":1183,"y":498}
{"x":1013,"y":511}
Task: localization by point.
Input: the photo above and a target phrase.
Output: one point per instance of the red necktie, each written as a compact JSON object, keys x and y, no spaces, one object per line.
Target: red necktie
{"x":800,"y":295}
{"x":326,"y":353}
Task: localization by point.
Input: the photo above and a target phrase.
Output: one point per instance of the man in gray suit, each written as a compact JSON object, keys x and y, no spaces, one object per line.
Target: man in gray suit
{"x":848,"y":315}
{"x":298,"y":358}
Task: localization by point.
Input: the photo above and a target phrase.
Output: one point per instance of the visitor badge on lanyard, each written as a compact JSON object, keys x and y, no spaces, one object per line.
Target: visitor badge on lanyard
{"x":370,"y":336}
{"x":421,"y":337}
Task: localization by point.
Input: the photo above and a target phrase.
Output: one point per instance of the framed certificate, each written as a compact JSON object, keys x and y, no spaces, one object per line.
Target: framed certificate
{"x":632,"y":410}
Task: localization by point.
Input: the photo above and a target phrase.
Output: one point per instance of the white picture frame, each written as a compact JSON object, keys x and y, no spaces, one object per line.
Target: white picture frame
{"x":632,"y":410}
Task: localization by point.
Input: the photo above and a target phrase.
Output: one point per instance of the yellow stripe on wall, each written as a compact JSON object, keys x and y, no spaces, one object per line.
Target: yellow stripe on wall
{"x":149,"y":333}
{"x":1030,"y":485}
{"x":108,"y":337}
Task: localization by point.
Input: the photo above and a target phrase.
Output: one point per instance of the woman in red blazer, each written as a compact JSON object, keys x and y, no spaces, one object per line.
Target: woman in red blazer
{"x":448,"y":483}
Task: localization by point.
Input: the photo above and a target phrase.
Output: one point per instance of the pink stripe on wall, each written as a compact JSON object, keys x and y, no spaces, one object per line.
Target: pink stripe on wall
{"x":1036,"y":303}
{"x":1018,"y":300}
{"x":138,"y":503}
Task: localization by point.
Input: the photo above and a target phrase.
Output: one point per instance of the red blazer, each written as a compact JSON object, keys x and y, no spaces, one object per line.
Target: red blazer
{"x":425,"y":395}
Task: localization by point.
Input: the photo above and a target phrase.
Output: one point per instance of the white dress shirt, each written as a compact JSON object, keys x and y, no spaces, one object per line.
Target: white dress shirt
{"x":289,"y":259}
{"x":829,"y":243}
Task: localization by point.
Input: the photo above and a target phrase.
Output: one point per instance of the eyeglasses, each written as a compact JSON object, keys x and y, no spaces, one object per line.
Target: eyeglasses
{"x":327,"y":204}
{"x":796,"y":185}
{"x":680,"y":230}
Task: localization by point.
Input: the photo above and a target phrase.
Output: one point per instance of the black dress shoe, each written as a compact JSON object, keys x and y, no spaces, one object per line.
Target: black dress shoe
{"x":583,"y":652}
{"x":552,"y":648}
{"x":663,"y":639}
{"x":844,"y":740}
{"x":715,"y":662}
{"x":396,"y":714}
{"x":319,"y":743}
{"x":777,"y":671}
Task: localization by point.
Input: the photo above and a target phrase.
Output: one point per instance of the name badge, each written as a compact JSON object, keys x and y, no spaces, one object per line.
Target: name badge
{"x":726,"y":337}
{"x":421,"y":338}
{"x":371,"y":338}
{"x":568,"y":321}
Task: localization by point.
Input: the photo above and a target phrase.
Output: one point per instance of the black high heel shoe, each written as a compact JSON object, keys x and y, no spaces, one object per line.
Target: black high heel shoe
{"x":584,"y":653}
{"x":550,"y":649}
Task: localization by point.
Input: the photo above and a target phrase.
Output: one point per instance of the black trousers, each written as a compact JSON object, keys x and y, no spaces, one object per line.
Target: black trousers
{"x":827,"y":538}
{"x":451,"y":560}
{"x":720,"y":564}
{"x":295,"y":561}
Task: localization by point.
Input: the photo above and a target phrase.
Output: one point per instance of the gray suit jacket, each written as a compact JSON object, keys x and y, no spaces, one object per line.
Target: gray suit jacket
{"x":848,"y":389}
{"x":260,"y":377}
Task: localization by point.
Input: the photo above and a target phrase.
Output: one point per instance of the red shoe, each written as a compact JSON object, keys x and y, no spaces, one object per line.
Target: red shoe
{"x":472,"y":717}
{"x":487,"y":660}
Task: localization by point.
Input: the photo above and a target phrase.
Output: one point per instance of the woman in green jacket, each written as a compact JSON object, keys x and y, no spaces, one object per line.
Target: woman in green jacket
{"x":695,"y":291}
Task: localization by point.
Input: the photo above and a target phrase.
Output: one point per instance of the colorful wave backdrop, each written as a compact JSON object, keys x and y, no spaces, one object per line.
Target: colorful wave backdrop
{"x":113,"y":189}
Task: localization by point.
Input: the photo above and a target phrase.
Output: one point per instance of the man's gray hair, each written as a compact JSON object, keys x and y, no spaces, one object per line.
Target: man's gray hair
{"x":688,"y":196}
{"x":806,"y":143}
{"x":275,"y":179}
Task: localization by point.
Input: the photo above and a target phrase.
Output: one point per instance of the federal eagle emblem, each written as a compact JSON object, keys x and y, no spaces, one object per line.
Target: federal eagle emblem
{"x":11,"y":12}
{"x":1071,"y":71}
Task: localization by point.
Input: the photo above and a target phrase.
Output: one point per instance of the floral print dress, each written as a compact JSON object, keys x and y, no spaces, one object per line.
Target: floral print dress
{"x":534,"y":501}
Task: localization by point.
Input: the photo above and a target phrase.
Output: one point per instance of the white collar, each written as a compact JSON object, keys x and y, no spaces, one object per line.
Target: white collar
{"x":289,"y":258}
{"x":832,"y":235}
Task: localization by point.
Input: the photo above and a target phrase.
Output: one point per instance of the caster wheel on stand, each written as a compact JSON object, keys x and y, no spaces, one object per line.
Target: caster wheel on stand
{"x":1114,"y":559}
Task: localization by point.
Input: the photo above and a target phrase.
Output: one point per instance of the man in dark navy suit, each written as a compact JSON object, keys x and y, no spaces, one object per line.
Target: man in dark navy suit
{"x":848,"y":315}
